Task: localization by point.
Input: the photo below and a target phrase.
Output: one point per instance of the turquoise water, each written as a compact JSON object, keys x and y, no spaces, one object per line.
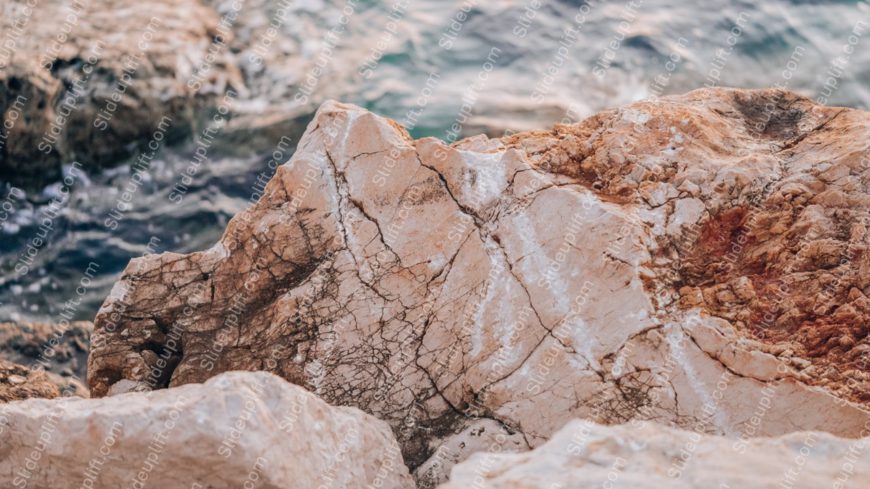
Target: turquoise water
{"x":444,"y":69}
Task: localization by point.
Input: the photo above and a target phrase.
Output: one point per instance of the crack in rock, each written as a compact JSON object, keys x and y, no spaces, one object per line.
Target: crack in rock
{"x":509,"y":286}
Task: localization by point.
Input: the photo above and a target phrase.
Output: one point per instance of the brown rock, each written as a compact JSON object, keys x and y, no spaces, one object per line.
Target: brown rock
{"x":61,"y":350}
{"x":19,"y":382}
{"x":83,"y":82}
{"x":527,"y":280}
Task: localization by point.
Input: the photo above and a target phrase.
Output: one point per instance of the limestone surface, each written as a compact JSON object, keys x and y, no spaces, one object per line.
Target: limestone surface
{"x":240,"y":429}
{"x":696,"y":260}
{"x":585,"y":455}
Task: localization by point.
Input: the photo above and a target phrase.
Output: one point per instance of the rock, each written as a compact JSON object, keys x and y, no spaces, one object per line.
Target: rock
{"x":19,"y":382}
{"x":238,"y":429}
{"x":480,"y":436}
{"x":86,"y":84}
{"x":532,"y":279}
{"x":646,"y":455}
{"x":163,"y":70}
{"x":61,"y":350}
{"x":123,"y":386}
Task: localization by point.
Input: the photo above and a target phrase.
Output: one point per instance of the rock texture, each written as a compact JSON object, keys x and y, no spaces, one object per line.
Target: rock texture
{"x":586,"y":455}
{"x":240,"y":429}
{"x":81,"y":82}
{"x":19,"y":382}
{"x":696,"y":260}
{"x":59,"y":348}
{"x":58,"y":351}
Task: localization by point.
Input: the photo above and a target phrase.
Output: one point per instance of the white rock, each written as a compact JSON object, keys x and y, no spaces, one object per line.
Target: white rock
{"x":641,"y":455}
{"x":240,"y":429}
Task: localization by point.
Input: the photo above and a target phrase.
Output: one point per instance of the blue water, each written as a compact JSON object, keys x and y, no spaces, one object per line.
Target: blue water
{"x":511,"y":63}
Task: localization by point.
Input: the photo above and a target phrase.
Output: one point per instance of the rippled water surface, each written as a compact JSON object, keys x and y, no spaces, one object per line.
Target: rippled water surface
{"x":512,"y":61}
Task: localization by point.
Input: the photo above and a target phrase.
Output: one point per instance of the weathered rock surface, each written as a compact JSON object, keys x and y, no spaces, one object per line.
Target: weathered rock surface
{"x":625,"y":267}
{"x":58,"y":348}
{"x":19,"y":382}
{"x":81,"y":82}
{"x":240,"y":429}
{"x":585,"y":455}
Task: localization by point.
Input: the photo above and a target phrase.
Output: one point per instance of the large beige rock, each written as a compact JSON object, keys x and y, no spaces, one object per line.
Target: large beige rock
{"x":585,"y":455}
{"x":625,"y":267}
{"x":91,"y":80}
{"x":240,"y":429}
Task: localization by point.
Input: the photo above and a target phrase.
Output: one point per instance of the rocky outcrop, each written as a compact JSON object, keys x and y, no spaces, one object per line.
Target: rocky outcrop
{"x":161,"y":71}
{"x":58,"y":348}
{"x":678,"y":260}
{"x":80,"y":82}
{"x":52,"y":353}
{"x":19,"y":382}
{"x":237,"y":430}
{"x":586,"y":455}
